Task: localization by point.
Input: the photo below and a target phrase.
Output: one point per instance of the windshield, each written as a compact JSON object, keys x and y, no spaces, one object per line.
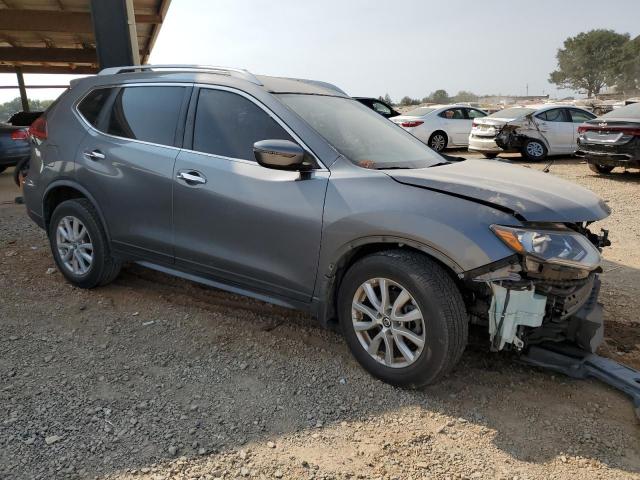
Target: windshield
{"x":631,"y":112}
{"x":360,"y":134}
{"x":512,"y":113}
{"x":419,"y":112}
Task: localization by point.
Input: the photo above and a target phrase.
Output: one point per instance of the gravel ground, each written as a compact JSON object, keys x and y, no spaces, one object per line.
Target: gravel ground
{"x":154,"y":377}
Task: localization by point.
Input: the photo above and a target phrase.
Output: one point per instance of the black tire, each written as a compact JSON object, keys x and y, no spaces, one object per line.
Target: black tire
{"x":439,"y":300}
{"x":530,"y":149}
{"x":438,"y":141}
{"x":104,"y":268}
{"x":601,"y":169}
{"x":2,"y":169}
{"x":21,"y":168}
{"x":490,"y":155}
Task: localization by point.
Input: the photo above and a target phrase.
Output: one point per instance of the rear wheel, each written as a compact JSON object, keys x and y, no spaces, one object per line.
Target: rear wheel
{"x":534,"y":150}
{"x":438,"y":141}
{"x":403,"y":317}
{"x":80,"y":246}
{"x":2,"y":169}
{"x":603,"y":169}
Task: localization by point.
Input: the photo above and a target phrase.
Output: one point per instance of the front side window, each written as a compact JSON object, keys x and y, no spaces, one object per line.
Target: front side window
{"x":578,"y":116}
{"x":149,"y":114}
{"x":228,"y":124}
{"x":364,"y":137}
{"x":476,"y":113}
{"x":91,"y":105}
{"x":553,"y":115}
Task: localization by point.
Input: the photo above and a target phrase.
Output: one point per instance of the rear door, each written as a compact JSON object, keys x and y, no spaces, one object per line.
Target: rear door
{"x":237,"y":221}
{"x":556,"y":126}
{"x":456,"y":124}
{"x":126,"y":162}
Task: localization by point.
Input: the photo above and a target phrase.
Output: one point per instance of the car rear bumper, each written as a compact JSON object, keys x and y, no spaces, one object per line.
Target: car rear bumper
{"x":483,"y":144}
{"x":625,"y":154}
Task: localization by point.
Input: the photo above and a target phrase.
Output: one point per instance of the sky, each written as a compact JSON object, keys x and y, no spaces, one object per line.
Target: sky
{"x":373,"y":47}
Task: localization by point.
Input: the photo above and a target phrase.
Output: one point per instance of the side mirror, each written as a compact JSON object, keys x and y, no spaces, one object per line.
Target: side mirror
{"x":280,"y":155}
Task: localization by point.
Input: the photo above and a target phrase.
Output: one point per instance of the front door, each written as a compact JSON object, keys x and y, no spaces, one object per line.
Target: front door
{"x":558,"y":129}
{"x":126,"y":162}
{"x":242,"y":223}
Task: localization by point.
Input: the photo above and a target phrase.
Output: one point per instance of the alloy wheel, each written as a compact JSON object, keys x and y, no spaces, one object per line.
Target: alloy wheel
{"x":388,"y":322}
{"x":74,"y":245}
{"x":535,"y":149}
{"x":438,"y":142}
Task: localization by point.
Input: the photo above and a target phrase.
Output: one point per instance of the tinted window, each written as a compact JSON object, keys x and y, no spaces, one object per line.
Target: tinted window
{"x":149,"y":114}
{"x":476,"y":113}
{"x":553,"y":115}
{"x":453,"y":114}
{"x":578,"y":116}
{"x":228,"y":124}
{"x":380,"y":108}
{"x":92,"y":104}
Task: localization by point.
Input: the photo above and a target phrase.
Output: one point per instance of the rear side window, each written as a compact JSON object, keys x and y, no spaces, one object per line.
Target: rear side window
{"x":91,"y":106}
{"x":473,"y":113}
{"x":228,"y":125}
{"x":149,"y":113}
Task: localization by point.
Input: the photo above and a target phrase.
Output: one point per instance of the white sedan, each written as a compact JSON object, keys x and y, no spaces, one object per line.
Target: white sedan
{"x":535,"y":132}
{"x":440,"y":126}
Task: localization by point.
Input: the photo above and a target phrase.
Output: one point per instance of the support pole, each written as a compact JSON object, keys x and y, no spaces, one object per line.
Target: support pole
{"x":23,"y":90}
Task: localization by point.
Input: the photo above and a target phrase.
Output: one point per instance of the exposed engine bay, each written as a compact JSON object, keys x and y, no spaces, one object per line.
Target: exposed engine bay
{"x":531,"y":300}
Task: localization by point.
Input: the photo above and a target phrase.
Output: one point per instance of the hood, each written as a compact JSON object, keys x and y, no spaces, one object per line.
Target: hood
{"x":531,"y":195}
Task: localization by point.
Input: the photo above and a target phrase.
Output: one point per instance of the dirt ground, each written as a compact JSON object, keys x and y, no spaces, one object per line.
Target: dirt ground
{"x":154,"y":378}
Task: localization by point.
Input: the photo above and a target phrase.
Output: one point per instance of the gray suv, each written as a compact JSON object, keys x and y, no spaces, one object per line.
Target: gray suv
{"x":291,"y":192}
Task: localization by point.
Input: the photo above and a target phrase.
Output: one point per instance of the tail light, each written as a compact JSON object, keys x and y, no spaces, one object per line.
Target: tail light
{"x":474,"y":125}
{"x":38,"y":128}
{"x":412,"y":123}
{"x":632,"y":131}
{"x":20,"y":134}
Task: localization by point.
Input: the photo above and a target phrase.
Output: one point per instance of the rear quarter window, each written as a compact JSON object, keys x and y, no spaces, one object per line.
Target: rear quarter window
{"x":91,"y":105}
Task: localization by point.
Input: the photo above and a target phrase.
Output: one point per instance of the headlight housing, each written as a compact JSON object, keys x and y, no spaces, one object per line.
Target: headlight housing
{"x":556,"y":246}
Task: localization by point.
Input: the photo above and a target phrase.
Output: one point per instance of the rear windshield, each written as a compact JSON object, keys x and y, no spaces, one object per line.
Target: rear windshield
{"x":360,"y":134}
{"x":419,"y":112}
{"x":631,"y":112}
{"x":512,"y":113}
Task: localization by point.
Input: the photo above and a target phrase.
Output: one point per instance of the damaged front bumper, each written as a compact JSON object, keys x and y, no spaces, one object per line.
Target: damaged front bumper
{"x":528,"y":301}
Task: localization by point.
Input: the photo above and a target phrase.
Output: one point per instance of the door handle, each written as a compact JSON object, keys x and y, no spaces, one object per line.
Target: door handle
{"x":192,"y":177}
{"x":94,"y":155}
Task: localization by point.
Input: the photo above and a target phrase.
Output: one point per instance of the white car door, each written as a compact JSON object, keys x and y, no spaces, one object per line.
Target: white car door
{"x":556,"y":126}
{"x":456,"y":125}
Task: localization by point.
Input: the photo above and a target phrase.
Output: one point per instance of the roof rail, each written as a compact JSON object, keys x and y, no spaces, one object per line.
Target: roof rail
{"x":232,"y":72}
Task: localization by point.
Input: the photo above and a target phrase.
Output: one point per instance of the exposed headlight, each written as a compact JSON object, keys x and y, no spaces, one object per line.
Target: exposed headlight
{"x":562,"y":247}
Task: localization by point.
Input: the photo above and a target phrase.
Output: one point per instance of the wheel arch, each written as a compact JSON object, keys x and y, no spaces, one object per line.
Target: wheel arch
{"x":330,"y":277}
{"x":62,"y":190}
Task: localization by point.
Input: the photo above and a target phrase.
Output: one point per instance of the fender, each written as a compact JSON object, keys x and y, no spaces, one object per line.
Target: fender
{"x":68,"y":182}
{"x":322,"y":303}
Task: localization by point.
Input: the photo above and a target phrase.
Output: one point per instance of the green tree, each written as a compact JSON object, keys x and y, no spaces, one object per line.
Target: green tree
{"x":9,"y":108}
{"x":387,"y":98}
{"x":464,"y":96}
{"x":406,"y":101}
{"x":628,"y":69}
{"x":589,"y":60}
{"x":440,"y":96}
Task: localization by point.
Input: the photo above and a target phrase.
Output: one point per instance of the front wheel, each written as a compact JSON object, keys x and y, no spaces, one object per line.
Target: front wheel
{"x":534,"y":150}
{"x":603,"y":169}
{"x":403,"y":317}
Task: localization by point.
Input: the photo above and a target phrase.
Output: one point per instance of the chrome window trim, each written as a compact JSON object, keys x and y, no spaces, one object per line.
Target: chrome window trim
{"x":86,"y":123}
{"x":119,"y":85}
{"x":266,"y":110}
